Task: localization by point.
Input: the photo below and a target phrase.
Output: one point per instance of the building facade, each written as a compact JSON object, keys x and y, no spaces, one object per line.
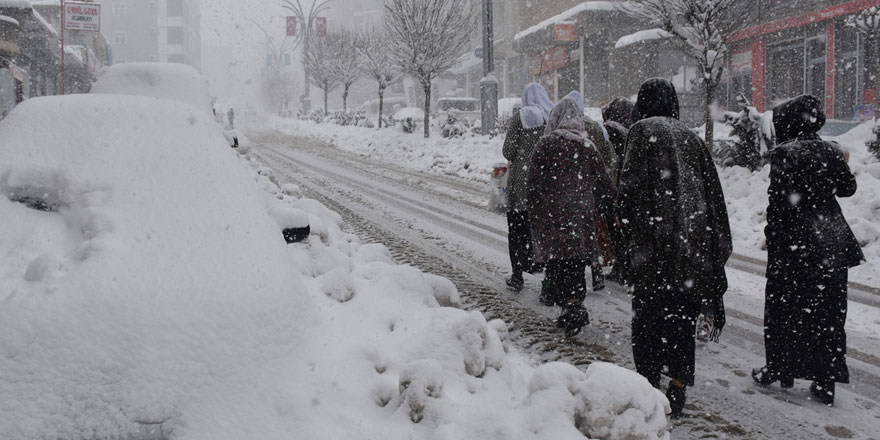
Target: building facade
{"x":153,"y":30}
{"x":804,"y":46}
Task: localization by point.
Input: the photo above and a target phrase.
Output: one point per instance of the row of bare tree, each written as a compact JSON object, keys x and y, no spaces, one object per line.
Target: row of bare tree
{"x":420,"y":38}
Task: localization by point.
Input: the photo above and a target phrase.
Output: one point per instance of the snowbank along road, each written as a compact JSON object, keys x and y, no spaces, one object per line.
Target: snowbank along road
{"x":440,"y":225}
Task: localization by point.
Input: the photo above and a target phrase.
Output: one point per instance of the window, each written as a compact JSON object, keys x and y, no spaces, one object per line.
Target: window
{"x":175,"y":35}
{"x":175,"y":8}
{"x":120,"y":9}
{"x":120,"y":38}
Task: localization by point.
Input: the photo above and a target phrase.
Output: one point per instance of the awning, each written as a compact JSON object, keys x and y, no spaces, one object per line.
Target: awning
{"x":642,"y":36}
{"x":589,"y":17}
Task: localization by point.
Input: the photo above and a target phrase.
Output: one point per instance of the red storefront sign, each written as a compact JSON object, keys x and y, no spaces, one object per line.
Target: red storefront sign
{"x":291,"y":26}
{"x":552,"y":59}
{"x":564,"y":32}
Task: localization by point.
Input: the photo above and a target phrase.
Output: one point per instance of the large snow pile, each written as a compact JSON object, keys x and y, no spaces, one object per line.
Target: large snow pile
{"x":152,"y":293}
{"x":173,"y":81}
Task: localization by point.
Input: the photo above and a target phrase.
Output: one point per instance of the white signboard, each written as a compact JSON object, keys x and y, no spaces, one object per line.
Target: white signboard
{"x":409,"y":90}
{"x":82,"y":16}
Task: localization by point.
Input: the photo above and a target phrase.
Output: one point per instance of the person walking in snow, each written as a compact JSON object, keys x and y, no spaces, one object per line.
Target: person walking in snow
{"x":810,"y":247}
{"x":567,"y":186}
{"x":617,"y":120}
{"x":599,"y":137}
{"x":231,"y":115}
{"x":526,"y":127}
{"x":677,"y":235}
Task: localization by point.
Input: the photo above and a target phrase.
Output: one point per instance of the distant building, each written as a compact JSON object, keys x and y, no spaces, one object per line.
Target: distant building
{"x":153,"y":30}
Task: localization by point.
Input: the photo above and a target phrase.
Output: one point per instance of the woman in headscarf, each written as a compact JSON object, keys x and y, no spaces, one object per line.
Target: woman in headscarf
{"x":567,"y":186}
{"x":677,"y":237}
{"x":526,"y":127}
{"x":599,"y":137}
{"x":810,"y":248}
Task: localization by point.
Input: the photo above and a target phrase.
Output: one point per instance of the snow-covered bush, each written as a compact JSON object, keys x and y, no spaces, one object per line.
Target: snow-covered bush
{"x":452,"y":126}
{"x":750,"y":139}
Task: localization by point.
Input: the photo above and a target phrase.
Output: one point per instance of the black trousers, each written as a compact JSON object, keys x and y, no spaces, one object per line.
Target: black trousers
{"x":568,"y":278}
{"x":663,"y":327}
{"x":519,"y":242}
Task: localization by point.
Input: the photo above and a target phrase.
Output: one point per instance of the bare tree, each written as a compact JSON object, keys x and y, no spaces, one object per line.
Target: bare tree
{"x":344,"y":58}
{"x":320,"y":66}
{"x":427,"y":36}
{"x":867,"y":22}
{"x":376,"y":62}
{"x":699,"y":26}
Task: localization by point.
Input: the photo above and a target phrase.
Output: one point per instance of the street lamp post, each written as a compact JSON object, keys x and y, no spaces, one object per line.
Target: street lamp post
{"x":488,"y":84}
{"x":308,"y":22}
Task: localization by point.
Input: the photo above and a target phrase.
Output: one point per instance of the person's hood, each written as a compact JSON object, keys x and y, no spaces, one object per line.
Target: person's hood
{"x":619,"y":110}
{"x":797,"y":117}
{"x":566,"y":120}
{"x":576,"y":96}
{"x":657,"y":97}
{"x":536,"y":106}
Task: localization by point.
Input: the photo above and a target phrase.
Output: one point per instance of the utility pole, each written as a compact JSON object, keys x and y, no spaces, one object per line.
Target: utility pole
{"x":308,"y":21}
{"x":488,"y":84}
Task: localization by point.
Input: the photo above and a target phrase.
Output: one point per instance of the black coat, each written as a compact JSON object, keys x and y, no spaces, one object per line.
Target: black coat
{"x":805,"y":226}
{"x":568,"y":187}
{"x":518,"y":148}
{"x":671,"y":205}
{"x":810,"y":247}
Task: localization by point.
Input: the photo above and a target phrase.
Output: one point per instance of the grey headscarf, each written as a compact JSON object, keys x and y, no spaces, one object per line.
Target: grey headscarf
{"x":536,"y":106}
{"x":566,"y":120}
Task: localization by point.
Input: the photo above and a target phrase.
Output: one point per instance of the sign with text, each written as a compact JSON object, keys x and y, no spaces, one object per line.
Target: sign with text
{"x":82,"y":16}
{"x":291,"y":26}
{"x":321,"y":26}
{"x":564,"y":32}
{"x":551,"y":59}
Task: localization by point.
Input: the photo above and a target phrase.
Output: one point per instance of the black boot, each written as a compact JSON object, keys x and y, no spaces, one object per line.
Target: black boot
{"x":548,"y":296}
{"x":823,"y":392}
{"x":515,"y":282}
{"x":573,"y":318}
{"x":676,"y":395}
{"x":766,"y":376}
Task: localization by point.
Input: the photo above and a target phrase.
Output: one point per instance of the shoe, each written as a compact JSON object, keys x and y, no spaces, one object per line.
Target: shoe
{"x":573,"y":318}
{"x":823,"y":392}
{"x":548,"y":295}
{"x":766,"y":376}
{"x":515,"y":283}
{"x":598,"y":280}
{"x":676,"y":395}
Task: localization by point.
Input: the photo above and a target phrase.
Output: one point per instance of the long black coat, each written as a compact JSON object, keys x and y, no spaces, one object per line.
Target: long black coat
{"x":568,"y":186}
{"x":677,"y":235}
{"x":810,"y":247}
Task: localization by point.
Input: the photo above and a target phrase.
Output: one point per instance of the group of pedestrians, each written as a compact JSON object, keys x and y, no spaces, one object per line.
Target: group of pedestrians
{"x":641,"y":190}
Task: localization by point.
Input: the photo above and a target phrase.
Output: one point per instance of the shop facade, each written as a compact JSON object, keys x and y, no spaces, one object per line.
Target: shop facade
{"x":812,"y":52}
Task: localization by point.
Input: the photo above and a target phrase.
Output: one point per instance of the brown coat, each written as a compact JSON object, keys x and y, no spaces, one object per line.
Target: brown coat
{"x":568,"y":184}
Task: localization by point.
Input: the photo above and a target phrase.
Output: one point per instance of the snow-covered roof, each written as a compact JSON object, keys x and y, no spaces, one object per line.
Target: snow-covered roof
{"x":20,"y":4}
{"x":11,"y":20}
{"x":566,"y":16}
{"x":45,"y":23}
{"x":640,"y":36}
